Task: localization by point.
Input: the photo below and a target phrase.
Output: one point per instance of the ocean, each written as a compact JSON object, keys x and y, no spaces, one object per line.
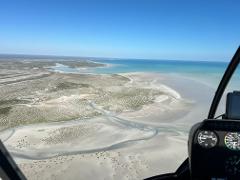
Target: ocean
{"x":206,"y":72}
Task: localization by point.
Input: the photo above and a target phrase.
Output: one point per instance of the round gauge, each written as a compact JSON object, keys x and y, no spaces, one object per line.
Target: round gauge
{"x":232,"y":165}
{"x":232,"y":140}
{"x":207,"y":139}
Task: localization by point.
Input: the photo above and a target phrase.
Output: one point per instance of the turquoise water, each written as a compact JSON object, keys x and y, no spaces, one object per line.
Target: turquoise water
{"x":162,"y":66}
{"x":209,"y":73}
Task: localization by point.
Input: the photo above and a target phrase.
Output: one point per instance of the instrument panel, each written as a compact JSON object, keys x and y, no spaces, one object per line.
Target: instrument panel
{"x":209,"y":139}
{"x":214,"y":150}
{"x":221,"y":149}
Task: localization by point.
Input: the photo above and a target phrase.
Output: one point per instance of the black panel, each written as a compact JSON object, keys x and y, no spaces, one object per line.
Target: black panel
{"x":218,"y":161}
{"x":233,"y":105}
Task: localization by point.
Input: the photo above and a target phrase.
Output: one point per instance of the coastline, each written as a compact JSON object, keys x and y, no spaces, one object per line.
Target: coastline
{"x":158,"y":128}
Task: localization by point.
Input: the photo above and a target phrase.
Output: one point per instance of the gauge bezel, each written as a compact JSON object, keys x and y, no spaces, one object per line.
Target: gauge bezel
{"x":238,"y":149}
{"x":208,"y":147}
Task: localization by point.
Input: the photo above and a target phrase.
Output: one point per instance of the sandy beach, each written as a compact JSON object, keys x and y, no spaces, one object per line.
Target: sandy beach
{"x":109,"y":126}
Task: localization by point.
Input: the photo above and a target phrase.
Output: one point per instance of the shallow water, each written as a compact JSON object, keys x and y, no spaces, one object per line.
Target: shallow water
{"x":208,"y":73}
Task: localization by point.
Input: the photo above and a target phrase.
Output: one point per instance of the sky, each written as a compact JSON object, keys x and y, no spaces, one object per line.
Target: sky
{"x":146,"y":29}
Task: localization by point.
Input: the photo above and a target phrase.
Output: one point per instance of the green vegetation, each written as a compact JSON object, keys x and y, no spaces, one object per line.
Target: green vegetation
{"x":127,"y":99}
{"x":5,"y":110}
{"x":68,"y":134}
{"x":43,"y":64}
{"x":34,"y":96}
{"x":12,"y":102}
{"x":81,"y":63}
{"x":70,"y":85}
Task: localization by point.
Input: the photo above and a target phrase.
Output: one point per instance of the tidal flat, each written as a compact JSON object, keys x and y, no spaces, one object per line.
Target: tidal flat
{"x":78,"y":125}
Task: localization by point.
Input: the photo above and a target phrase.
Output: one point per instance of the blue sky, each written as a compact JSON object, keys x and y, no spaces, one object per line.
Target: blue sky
{"x":154,"y":29}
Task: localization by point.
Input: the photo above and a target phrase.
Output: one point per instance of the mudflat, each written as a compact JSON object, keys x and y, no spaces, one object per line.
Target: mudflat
{"x":61,"y":125}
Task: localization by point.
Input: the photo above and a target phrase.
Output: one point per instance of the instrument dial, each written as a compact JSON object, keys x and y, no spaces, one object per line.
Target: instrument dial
{"x":232,"y":140}
{"x":207,"y":139}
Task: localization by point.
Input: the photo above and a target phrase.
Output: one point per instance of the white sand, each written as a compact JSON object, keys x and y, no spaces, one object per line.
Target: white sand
{"x":129,"y":145}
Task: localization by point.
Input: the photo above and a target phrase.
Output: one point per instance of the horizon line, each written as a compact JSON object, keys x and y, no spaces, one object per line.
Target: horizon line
{"x":108,"y":58}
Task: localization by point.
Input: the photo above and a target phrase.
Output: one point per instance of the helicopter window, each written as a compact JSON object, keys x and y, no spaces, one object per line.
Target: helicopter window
{"x":229,"y":106}
{"x":109,"y":89}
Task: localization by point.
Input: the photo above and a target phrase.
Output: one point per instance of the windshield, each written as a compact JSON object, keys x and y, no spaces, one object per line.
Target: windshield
{"x":107,"y":90}
{"x":233,"y":86}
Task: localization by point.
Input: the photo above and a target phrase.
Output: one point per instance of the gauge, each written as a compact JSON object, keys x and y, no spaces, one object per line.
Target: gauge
{"x":232,"y":165}
{"x":232,"y":140}
{"x":207,"y":139}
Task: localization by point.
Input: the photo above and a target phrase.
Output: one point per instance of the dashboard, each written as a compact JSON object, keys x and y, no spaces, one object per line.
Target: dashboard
{"x":214,"y":150}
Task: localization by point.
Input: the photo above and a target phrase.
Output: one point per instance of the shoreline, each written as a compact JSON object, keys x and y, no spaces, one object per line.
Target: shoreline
{"x":153,"y":129}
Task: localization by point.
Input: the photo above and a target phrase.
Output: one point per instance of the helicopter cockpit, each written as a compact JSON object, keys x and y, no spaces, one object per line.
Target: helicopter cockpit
{"x":213,"y":145}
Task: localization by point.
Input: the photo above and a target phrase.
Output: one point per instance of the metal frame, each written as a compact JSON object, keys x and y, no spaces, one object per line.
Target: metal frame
{"x":224,"y":82}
